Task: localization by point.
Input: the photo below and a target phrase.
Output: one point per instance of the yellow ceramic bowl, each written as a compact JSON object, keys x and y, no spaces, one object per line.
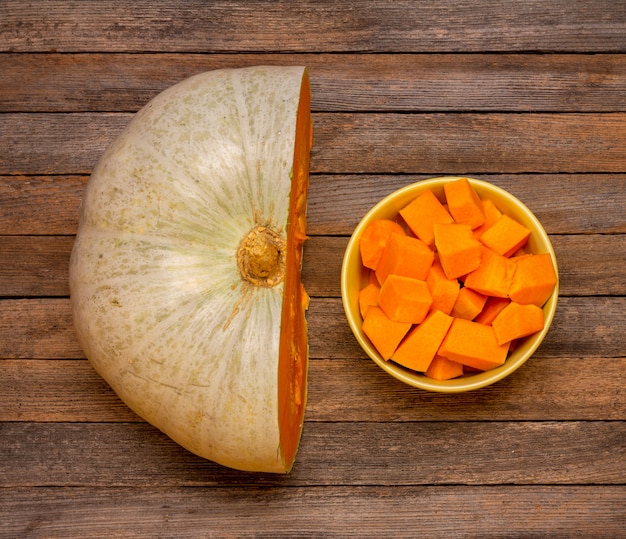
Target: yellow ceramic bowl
{"x":354,"y":276}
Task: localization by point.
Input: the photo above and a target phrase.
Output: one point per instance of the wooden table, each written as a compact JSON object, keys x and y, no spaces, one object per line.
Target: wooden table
{"x":529,"y":95}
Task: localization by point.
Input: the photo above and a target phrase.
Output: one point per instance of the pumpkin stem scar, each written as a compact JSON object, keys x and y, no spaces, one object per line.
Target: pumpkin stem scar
{"x":261,"y":257}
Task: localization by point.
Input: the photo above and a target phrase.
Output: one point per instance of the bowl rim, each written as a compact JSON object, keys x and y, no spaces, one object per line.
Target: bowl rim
{"x":413,"y":378}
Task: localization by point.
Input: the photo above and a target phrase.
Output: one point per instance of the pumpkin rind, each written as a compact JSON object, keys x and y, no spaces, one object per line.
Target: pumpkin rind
{"x":160,"y":308}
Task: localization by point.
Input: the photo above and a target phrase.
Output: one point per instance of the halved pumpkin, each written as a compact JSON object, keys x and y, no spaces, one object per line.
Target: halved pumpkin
{"x":185,"y":274}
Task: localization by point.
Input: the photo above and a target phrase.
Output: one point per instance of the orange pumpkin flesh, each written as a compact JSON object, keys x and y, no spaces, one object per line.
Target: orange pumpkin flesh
{"x":293,"y":351}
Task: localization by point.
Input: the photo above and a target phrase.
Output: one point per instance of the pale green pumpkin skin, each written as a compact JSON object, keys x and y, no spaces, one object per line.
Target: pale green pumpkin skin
{"x":154,"y":283}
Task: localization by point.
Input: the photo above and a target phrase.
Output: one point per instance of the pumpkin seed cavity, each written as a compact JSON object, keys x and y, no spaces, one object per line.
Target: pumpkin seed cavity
{"x":261,"y":257}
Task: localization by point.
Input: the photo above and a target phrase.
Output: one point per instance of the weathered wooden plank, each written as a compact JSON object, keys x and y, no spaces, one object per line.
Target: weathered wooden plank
{"x":543,"y":389}
{"x":37,"y":328}
{"x":456,"y":143}
{"x":57,"y":391}
{"x":40,"y":143}
{"x":554,"y":389}
{"x":56,"y":144}
{"x":564,"y":203}
{"x":476,"y":453}
{"x":34,"y":265}
{"x":339,"y":82}
{"x":589,"y":265}
{"x":582,"y":327}
{"x":40,"y":204}
{"x":538,"y":454}
{"x":460,"y":511}
{"x":374,"y":25}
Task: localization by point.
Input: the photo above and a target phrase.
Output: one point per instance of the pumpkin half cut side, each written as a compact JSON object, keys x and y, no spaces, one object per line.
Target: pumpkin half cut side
{"x":185,"y":276}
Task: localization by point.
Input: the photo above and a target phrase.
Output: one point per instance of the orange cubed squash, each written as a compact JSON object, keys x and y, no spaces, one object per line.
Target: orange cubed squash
{"x":374,"y":238}
{"x":505,"y":236}
{"x":368,"y":296}
{"x":516,"y":321}
{"x":492,"y":308}
{"x":422,"y":213}
{"x":404,"y":299}
{"x":441,"y":368}
{"x":468,"y":304}
{"x":534,"y":279}
{"x":492,"y":214}
{"x":420,"y":346}
{"x":463,"y":203}
{"x":444,"y":291}
{"x":473,"y":344}
{"x":459,"y":251}
{"x":494,"y":275}
{"x":383,"y":333}
{"x":406,"y":256}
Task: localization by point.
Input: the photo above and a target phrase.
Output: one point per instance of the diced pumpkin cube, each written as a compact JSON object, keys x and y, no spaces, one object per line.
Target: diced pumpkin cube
{"x":406,"y":256}
{"x":459,"y":251}
{"x":374,"y":238}
{"x":492,"y":308}
{"x":464,"y":203}
{"x":505,"y":236}
{"x":441,"y":368}
{"x":494,"y":275}
{"x":468,"y":304}
{"x":444,"y":291}
{"x":404,"y":299}
{"x":419,"y":347}
{"x":534,"y":279}
{"x":473,"y":344}
{"x":384,"y":334}
{"x":492,"y":214}
{"x":368,"y":296}
{"x":516,"y":321}
{"x":422,"y":213}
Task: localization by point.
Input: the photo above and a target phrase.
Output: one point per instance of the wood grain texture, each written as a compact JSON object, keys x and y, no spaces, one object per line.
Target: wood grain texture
{"x":38,"y":265}
{"x":40,"y":205}
{"x":364,"y":512}
{"x":454,"y":144}
{"x":339,"y":82}
{"x":41,"y":328}
{"x":376,"y":25}
{"x":388,"y":453}
{"x":530,"y":97}
{"x":564,"y":203}
{"x":40,"y":143}
{"x":35,"y":265}
{"x":350,"y":389}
